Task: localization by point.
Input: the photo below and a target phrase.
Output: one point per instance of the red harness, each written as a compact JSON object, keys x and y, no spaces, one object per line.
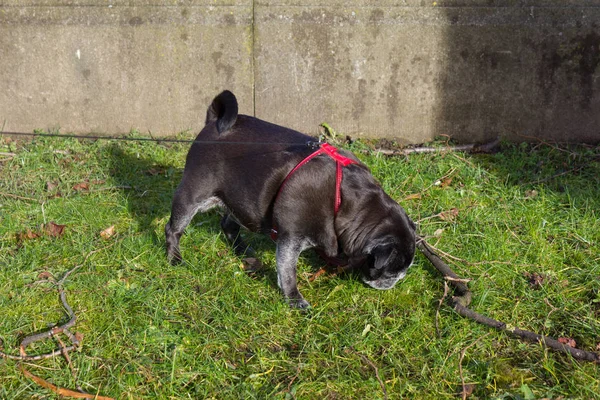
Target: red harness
{"x":340,"y":161}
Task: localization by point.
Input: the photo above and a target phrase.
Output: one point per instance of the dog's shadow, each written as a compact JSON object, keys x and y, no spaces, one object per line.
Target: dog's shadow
{"x":146,"y":184}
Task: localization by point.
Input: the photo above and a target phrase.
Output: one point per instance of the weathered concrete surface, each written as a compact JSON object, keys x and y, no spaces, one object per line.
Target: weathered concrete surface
{"x":88,"y":68}
{"x":473,"y":71}
{"x":410,"y":69}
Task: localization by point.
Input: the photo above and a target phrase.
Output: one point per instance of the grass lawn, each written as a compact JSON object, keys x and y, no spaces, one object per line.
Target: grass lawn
{"x":523,"y":224}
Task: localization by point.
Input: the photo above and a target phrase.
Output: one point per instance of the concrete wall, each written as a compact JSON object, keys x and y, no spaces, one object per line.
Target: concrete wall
{"x":411,"y":69}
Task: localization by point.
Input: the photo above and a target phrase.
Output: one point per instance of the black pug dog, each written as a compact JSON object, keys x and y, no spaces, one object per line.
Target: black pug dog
{"x":306,"y":194}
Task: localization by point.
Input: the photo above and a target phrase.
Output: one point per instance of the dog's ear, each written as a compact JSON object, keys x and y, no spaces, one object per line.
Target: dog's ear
{"x":223,"y":110}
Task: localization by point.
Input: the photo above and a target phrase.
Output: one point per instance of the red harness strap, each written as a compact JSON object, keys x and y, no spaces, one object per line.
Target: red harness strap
{"x":340,"y":161}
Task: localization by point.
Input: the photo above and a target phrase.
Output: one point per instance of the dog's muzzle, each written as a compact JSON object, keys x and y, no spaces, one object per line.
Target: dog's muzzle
{"x":384,"y":283}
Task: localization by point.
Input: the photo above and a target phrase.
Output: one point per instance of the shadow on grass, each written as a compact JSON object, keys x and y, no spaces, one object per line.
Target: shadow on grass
{"x":573,"y":172}
{"x":147,"y":185}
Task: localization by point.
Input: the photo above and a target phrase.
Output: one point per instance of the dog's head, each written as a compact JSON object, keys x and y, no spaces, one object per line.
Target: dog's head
{"x":390,"y":254}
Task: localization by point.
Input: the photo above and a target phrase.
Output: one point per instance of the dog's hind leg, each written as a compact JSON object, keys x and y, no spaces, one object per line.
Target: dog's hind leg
{"x":288,"y":251}
{"x":232,"y":233}
{"x":186,"y":203}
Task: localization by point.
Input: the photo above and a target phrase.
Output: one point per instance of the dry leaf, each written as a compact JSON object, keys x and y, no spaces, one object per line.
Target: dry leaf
{"x":535,"y":280}
{"x":468,"y":389}
{"x":222,"y":253}
{"x":438,"y":232}
{"x":54,"y":229}
{"x":82,"y":186}
{"x":449,"y":215}
{"x":531,"y":193}
{"x":50,"y":186}
{"x":108,"y":232}
{"x":317,"y":274}
{"x":568,"y":341}
{"x":28,"y":234}
{"x":63,"y":152}
{"x":155,"y":171}
{"x":414,"y":196}
{"x":45,"y":275}
{"x":446,"y":182}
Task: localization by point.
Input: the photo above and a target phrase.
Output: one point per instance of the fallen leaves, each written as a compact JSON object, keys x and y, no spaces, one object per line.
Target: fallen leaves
{"x":51,"y":229}
{"x":449,"y":215}
{"x":467,"y":390}
{"x":535,"y":279}
{"x":530,"y":194}
{"x":155,"y":171}
{"x":444,"y":182}
{"x":108,"y":232}
{"x":51,"y":186}
{"x":568,"y":341}
{"x":26,"y":235}
{"x":414,"y":196}
{"x":438,"y":232}
{"x":81,"y":186}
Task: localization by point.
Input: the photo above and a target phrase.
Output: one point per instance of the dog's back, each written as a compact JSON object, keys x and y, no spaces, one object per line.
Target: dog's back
{"x":232,"y":148}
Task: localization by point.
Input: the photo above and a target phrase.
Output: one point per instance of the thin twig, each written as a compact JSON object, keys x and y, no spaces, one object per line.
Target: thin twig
{"x":57,"y":329}
{"x":570,"y":171}
{"x":368,"y":361}
{"x":487,"y":147}
{"x":39,"y":357}
{"x":118,"y":187}
{"x":65,"y":353}
{"x":289,"y":386}
{"x":460,"y":369}
{"x":437,"y":312}
{"x":14,"y":196}
{"x":62,"y":391}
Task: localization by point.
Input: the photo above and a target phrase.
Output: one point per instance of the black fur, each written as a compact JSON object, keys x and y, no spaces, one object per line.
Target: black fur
{"x":370,"y":229}
{"x":223,"y":111}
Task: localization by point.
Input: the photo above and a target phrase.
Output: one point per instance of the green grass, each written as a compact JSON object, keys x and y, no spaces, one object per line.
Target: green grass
{"x":206,"y":329}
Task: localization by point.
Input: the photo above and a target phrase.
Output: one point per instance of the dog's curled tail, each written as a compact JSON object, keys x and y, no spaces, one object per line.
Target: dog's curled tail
{"x":223,"y":110}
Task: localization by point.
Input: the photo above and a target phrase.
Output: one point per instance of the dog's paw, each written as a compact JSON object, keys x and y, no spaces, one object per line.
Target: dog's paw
{"x":299,"y":304}
{"x":252,"y":265}
{"x":244,"y":250}
{"x":174,"y":259}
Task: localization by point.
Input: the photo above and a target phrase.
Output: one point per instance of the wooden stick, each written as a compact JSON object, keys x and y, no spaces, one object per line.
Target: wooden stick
{"x":62,"y":391}
{"x":463,"y":299}
{"x":487,"y":147}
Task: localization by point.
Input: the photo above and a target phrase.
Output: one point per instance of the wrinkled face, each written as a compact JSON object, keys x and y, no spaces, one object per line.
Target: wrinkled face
{"x":387,"y":264}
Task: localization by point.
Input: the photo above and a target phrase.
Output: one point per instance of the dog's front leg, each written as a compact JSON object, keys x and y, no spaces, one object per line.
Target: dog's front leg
{"x":288,"y":251}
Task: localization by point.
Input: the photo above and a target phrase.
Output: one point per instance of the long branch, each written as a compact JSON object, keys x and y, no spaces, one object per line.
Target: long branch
{"x":463,"y":299}
{"x":487,"y":147}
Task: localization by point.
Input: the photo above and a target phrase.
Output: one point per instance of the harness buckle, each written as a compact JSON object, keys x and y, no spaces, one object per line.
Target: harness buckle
{"x":314,"y":145}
